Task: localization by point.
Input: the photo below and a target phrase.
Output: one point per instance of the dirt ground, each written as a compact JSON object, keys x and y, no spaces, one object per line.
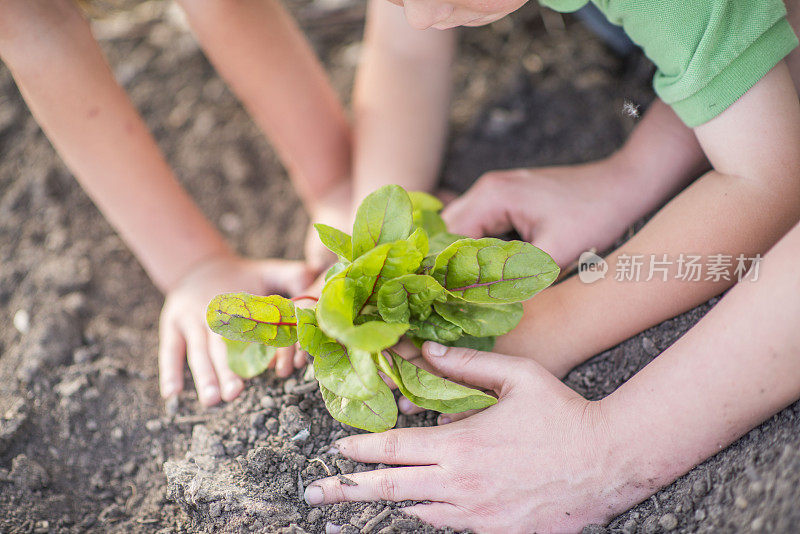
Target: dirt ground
{"x":85,"y":442}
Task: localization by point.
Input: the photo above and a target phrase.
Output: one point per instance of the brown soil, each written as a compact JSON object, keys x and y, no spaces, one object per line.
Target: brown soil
{"x":85,"y":442}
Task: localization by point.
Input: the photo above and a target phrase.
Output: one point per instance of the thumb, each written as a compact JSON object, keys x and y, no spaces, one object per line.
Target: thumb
{"x":475,"y":215}
{"x":488,"y":370}
{"x":285,"y":276}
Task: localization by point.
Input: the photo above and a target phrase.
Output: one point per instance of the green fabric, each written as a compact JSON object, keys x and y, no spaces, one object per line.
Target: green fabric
{"x":708,"y":53}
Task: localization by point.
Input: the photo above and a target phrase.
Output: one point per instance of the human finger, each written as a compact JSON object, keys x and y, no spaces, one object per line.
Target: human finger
{"x":205,"y":378}
{"x":488,"y":370}
{"x":417,"y":483}
{"x":230,"y":384}
{"x":408,"y":446}
{"x":171,"y":357}
{"x":447,"y":418}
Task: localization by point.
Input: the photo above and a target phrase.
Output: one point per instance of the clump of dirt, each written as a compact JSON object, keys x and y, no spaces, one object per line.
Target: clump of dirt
{"x":85,"y":442}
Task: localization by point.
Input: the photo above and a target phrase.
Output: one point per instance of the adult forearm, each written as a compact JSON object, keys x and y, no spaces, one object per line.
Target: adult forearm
{"x":257,"y":47}
{"x":734,"y":369}
{"x":56,"y":64}
{"x":401,"y":103}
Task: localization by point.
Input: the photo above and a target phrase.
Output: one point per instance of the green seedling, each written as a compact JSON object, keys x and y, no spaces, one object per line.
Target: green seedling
{"x":399,"y":274}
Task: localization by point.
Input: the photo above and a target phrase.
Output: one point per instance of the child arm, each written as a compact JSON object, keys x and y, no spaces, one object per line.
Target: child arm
{"x":401,"y":103}
{"x":69,"y":87}
{"x":743,"y":206}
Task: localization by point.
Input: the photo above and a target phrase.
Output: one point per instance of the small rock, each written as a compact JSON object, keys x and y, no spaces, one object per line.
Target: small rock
{"x":204,"y":443}
{"x":699,"y":514}
{"x":215,"y":509}
{"x":84,"y":354}
{"x":129,"y":468}
{"x":289,"y":385}
{"x":740,"y":502}
{"x":699,"y":488}
{"x":668,"y":522}
{"x":301,"y":436}
{"x":629,"y":527}
{"x":332,"y":528}
{"x":758,"y":524}
{"x":42,"y":527}
{"x":91,"y":425}
{"x":153,"y":425}
{"x":649,"y":347}
{"x":234,"y":166}
{"x":594,"y":529}
{"x":22,"y":321}
{"x":345,"y":466}
{"x":68,"y":388}
{"x":257,"y":420}
{"x":230,"y":223}
{"x":314,"y":515}
{"x":272,"y":425}
{"x":292,"y":420}
{"x":28,"y":474}
{"x":267,"y":402}
{"x":117,"y":433}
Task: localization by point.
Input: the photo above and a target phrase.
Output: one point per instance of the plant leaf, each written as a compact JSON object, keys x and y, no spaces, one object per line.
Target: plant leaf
{"x":347,"y":375}
{"x":421,"y":201}
{"x":335,"y":269}
{"x":335,"y":316}
{"x":491,"y":270}
{"x":409,"y":294}
{"x":485,"y":344}
{"x":253,"y":318}
{"x":432,"y":392}
{"x":384,"y":216}
{"x":480,"y":320}
{"x":376,"y":414}
{"x":419,"y":240}
{"x":435,"y":328}
{"x":335,"y":240}
{"x":430,"y":221}
{"x":248,"y":359}
{"x":372,"y":269}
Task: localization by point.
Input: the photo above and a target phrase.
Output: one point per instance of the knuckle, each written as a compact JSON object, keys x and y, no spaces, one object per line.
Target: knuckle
{"x":390,"y":447}
{"x":386,"y":487}
{"x":469,"y":355}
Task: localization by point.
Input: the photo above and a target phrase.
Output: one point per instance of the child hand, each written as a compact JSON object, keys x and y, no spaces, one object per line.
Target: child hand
{"x":333,"y":209}
{"x":184,"y":334}
{"x":562,"y":210}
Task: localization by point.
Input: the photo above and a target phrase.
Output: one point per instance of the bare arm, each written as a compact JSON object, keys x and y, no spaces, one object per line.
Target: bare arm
{"x":69,"y":87}
{"x":741,"y":207}
{"x":258,"y":49}
{"x":401,"y":103}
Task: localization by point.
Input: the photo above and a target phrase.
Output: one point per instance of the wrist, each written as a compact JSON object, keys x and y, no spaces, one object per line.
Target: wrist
{"x":212,"y":255}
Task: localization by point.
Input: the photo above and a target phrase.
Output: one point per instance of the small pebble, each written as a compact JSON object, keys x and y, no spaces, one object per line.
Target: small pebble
{"x":289,"y":385}
{"x":699,"y":514}
{"x":332,"y":528}
{"x":758,"y":524}
{"x":668,"y":522}
{"x":302,"y":435}
{"x":267,"y":402}
{"x":314,"y":515}
{"x":699,"y":488}
{"x":153,"y":425}
{"x":740,"y":502}
{"x":272,"y":425}
{"x":629,"y":527}
{"x":22,"y":321}
{"x":117,"y":434}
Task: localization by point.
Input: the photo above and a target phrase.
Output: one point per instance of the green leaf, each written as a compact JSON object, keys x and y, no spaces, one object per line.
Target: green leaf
{"x":253,"y":318}
{"x":248,"y":359}
{"x":419,"y":240}
{"x":439,"y":242}
{"x":422,"y":201}
{"x":335,"y":269}
{"x":435,"y":328}
{"x":376,"y":414}
{"x":409,"y":294}
{"x":491,"y":270}
{"x":372,"y":269}
{"x":384,"y":216}
{"x":480,"y":320}
{"x":335,"y":240}
{"x":432,"y":392}
{"x":347,"y":375}
{"x":485,"y":344}
{"x":429,"y":221}
{"x":335,"y":315}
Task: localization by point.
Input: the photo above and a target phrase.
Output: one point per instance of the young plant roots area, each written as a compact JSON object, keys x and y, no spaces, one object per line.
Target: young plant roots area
{"x":85,"y":441}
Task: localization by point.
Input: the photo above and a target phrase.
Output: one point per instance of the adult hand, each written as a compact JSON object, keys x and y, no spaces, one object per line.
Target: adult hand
{"x":562,"y":210}
{"x":540,"y":460}
{"x":184,"y":334}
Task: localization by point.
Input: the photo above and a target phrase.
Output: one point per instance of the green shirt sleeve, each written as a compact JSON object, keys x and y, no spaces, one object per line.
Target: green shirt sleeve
{"x":708,"y":53}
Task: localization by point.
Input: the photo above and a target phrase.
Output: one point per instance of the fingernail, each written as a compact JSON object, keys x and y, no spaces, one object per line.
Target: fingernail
{"x":313,"y":495}
{"x":443,"y":420}
{"x":435,"y":349}
{"x":405,"y":405}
